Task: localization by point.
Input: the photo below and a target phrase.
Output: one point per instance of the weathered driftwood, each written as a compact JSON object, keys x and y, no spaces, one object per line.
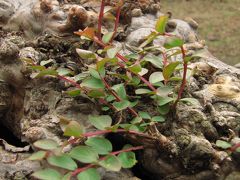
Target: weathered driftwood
{"x":32,"y":108}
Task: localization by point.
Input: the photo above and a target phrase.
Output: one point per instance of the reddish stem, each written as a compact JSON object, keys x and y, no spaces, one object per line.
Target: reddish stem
{"x":100,"y":19}
{"x":70,"y":81}
{"x":185,"y":66}
{"x":103,"y":101}
{"x":79,"y":170}
{"x":116,"y":23}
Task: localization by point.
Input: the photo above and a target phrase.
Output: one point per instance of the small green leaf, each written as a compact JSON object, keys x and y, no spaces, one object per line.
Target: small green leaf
{"x":144,"y":115}
{"x":29,"y":61}
{"x":67,"y":176}
{"x":145,"y":124}
{"x":120,"y":90}
{"x":101,"y":122}
{"x":143,"y":72}
{"x":134,"y":56}
{"x":175,"y":78}
{"x":135,"y":128}
{"x":158,"y":119}
{"x":223,"y":144}
{"x":125,"y":126}
{"x":89,"y":174}
{"x":86,"y":55}
{"x":156,"y":77}
{"x":164,"y":100}
{"x":172,"y":42}
{"x":101,"y":145}
{"x":105,"y":108}
{"x":80,"y":76}
{"x":238,"y":150}
{"x":110,"y":98}
{"x":143,"y":91}
{"x":74,"y":93}
{"x":46,"y":144}
{"x":188,"y":58}
{"x":121,"y":105}
{"x":46,"y":72}
{"x":47,"y":174}
{"x":164,"y":109}
{"x":136,"y":120}
{"x":63,"y":161}
{"x":135,"y":81}
{"x":127,"y":159}
{"x":134,"y":103}
{"x":161,"y":24}
{"x":149,"y":39}
{"x":99,"y":93}
{"x":112,"y":52}
{"x":84,"y":154}
{"x":169,"y":69}
{"x":107,"y":37}
{"x":135,"y":68}
{"x":38,"y":156}
{"x":164,"y":91}
{"x":94,"y":73}
{"x":101,"y":65}
{"x":73,"y":129}
{"x":40,"y":68}
{"x":193,"y":101}
{"x":64,"y":71}
{"x":111,"y":163}
{"x":93,"y":83}
{"x":154,"y":60}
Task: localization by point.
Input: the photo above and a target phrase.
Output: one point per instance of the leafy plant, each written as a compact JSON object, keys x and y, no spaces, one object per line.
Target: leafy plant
{"x":158,"y":85}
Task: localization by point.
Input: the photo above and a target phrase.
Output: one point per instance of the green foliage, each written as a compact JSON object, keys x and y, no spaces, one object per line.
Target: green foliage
{"x":169,"y":69}
{"x":74,"y":93}
{"x":84,"y":154}
{"x":121,"y":105}
{"x":38,"y":155}
{"x":173,"y":42}
{"x":107,"y":37}
{"x":47,"y":174}
{"x":46,"y":144}
{"x":89,"y":174}
{"x":73,"y":129}
{"x":111,"y":163}
{"x":223,"y":144}
{"x":92,"y":82}
{"x":101,"y":122}
{"x":86,"y":55}
{"x":62,"y":161}
{"x":161,"y":24}
{"x":117,"y":83}
{"x":100,"y":144}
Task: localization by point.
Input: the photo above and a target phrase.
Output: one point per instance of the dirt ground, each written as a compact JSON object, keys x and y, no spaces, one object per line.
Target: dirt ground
{"x":219,"y":24}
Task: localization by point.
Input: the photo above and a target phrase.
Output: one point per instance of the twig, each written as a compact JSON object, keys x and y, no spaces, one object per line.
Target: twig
{"x":116,"y":22}
{"x":100,"y":19}
{"x":185,"y":66}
